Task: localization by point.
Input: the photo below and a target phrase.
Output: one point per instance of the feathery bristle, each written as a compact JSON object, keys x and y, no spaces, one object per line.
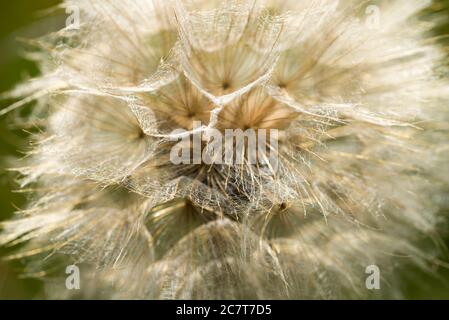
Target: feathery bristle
{"x":359,"y":148}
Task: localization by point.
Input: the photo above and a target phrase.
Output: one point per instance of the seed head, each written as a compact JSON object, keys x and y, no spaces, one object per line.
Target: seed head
{"x":360,"y":115}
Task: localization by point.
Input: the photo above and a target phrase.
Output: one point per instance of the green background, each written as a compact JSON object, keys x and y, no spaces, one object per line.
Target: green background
{"x":28,"y":19}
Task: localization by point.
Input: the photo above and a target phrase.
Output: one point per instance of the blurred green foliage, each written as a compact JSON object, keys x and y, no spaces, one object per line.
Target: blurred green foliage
{"x":25,"y":19}
{"x":18,"y":19}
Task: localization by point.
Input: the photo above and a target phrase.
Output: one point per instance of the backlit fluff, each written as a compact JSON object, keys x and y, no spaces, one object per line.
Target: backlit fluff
{"x":362,"y":115}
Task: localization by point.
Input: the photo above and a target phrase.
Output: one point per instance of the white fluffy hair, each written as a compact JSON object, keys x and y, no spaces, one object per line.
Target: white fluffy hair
{"x":362,"y":113}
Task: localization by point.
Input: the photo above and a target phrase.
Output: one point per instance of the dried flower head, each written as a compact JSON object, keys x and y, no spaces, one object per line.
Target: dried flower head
{"x":360,"y":112}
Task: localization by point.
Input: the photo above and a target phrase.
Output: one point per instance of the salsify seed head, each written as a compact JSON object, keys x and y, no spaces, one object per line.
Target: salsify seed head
{"x":358,"y":110}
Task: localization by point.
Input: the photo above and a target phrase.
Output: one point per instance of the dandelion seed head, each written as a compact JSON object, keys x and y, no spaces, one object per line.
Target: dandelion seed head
{"x":360,"y":149}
